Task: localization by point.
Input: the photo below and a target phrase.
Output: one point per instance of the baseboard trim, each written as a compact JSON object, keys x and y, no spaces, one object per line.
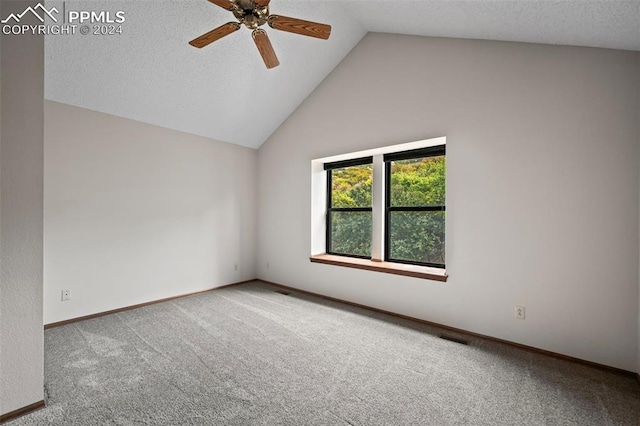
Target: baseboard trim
{"x":141,"y":305}
{"x":22,"y":411}
{"x":533,"y":349}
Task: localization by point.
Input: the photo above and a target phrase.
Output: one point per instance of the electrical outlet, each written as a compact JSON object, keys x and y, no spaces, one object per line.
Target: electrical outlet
{"x":268,"y":265}
{"x":66,"y":295}
{"x":519,"y":312}
{"x":235,"y":266}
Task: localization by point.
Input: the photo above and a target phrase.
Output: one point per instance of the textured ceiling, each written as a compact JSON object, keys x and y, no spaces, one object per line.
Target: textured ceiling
{"x":224,"y":92}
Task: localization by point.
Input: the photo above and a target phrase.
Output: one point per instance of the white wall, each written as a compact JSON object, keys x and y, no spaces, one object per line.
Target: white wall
{"x":542,"y":186}
{"x":21,"y":151}
{"x":135,"y":212}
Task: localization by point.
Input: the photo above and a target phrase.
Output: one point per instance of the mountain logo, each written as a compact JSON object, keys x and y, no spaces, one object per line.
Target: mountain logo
{"x":34,"y":12}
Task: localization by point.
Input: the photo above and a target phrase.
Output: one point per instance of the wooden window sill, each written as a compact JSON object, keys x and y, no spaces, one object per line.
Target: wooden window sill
{"x":415,"y":271}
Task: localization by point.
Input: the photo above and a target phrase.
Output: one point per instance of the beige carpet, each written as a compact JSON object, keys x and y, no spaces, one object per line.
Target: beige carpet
{"x":247,"y":355}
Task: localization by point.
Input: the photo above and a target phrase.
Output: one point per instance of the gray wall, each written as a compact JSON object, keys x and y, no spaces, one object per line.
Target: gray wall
{"x":135,"y":212}
{"x":542,"y":186}
{"x":21,"y":183}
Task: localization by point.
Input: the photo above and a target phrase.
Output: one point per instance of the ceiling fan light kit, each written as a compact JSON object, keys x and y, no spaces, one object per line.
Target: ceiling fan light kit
{"x":253,"y":14}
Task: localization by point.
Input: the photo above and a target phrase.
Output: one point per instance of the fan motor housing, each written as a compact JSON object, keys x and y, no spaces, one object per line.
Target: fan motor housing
{"x":252,"y":18}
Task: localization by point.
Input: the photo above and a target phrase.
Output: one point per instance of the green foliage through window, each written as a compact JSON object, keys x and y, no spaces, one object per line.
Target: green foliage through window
{"x":418,"y":182}
{"x":417,"y":237}
{"x":350,"y":230}
{"x":415,"y":208}
{"x":416,"y":218}
{"x":351,"y":233}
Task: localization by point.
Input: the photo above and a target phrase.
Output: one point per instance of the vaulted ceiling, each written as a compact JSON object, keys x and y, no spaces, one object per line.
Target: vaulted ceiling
{"x":150,"y":73}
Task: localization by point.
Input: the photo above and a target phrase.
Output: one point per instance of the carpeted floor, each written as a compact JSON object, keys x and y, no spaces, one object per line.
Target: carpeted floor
{"x":248,"y":355}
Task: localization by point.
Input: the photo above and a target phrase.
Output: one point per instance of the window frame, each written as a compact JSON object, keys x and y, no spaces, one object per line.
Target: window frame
{"x":432,"y":151}
{"x":318,"y":223}
{"x":329,"y":167}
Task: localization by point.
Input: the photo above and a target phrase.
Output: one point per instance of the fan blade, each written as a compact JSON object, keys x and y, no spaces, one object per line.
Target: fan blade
{"x":215,"y":34}
{"x":298,"y":26}
{"x":266,"y":50}
{"x":261,"y":3}
{"x":225,"y":4}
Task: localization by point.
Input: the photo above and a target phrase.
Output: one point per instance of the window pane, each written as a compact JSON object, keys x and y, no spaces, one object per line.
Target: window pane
{"x":418,"y":182}
{"x":351,"y":233}
{"x":417,"y":236}
{"x":351,"y":186}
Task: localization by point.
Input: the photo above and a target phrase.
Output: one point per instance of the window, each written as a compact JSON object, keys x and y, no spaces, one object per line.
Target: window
{"x":382,"y":209}
{"x":415,"y":206}
{"x":349,"y":207}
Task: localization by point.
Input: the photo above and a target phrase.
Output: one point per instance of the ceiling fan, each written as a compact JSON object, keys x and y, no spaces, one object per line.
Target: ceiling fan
{"x":253,"y":14}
